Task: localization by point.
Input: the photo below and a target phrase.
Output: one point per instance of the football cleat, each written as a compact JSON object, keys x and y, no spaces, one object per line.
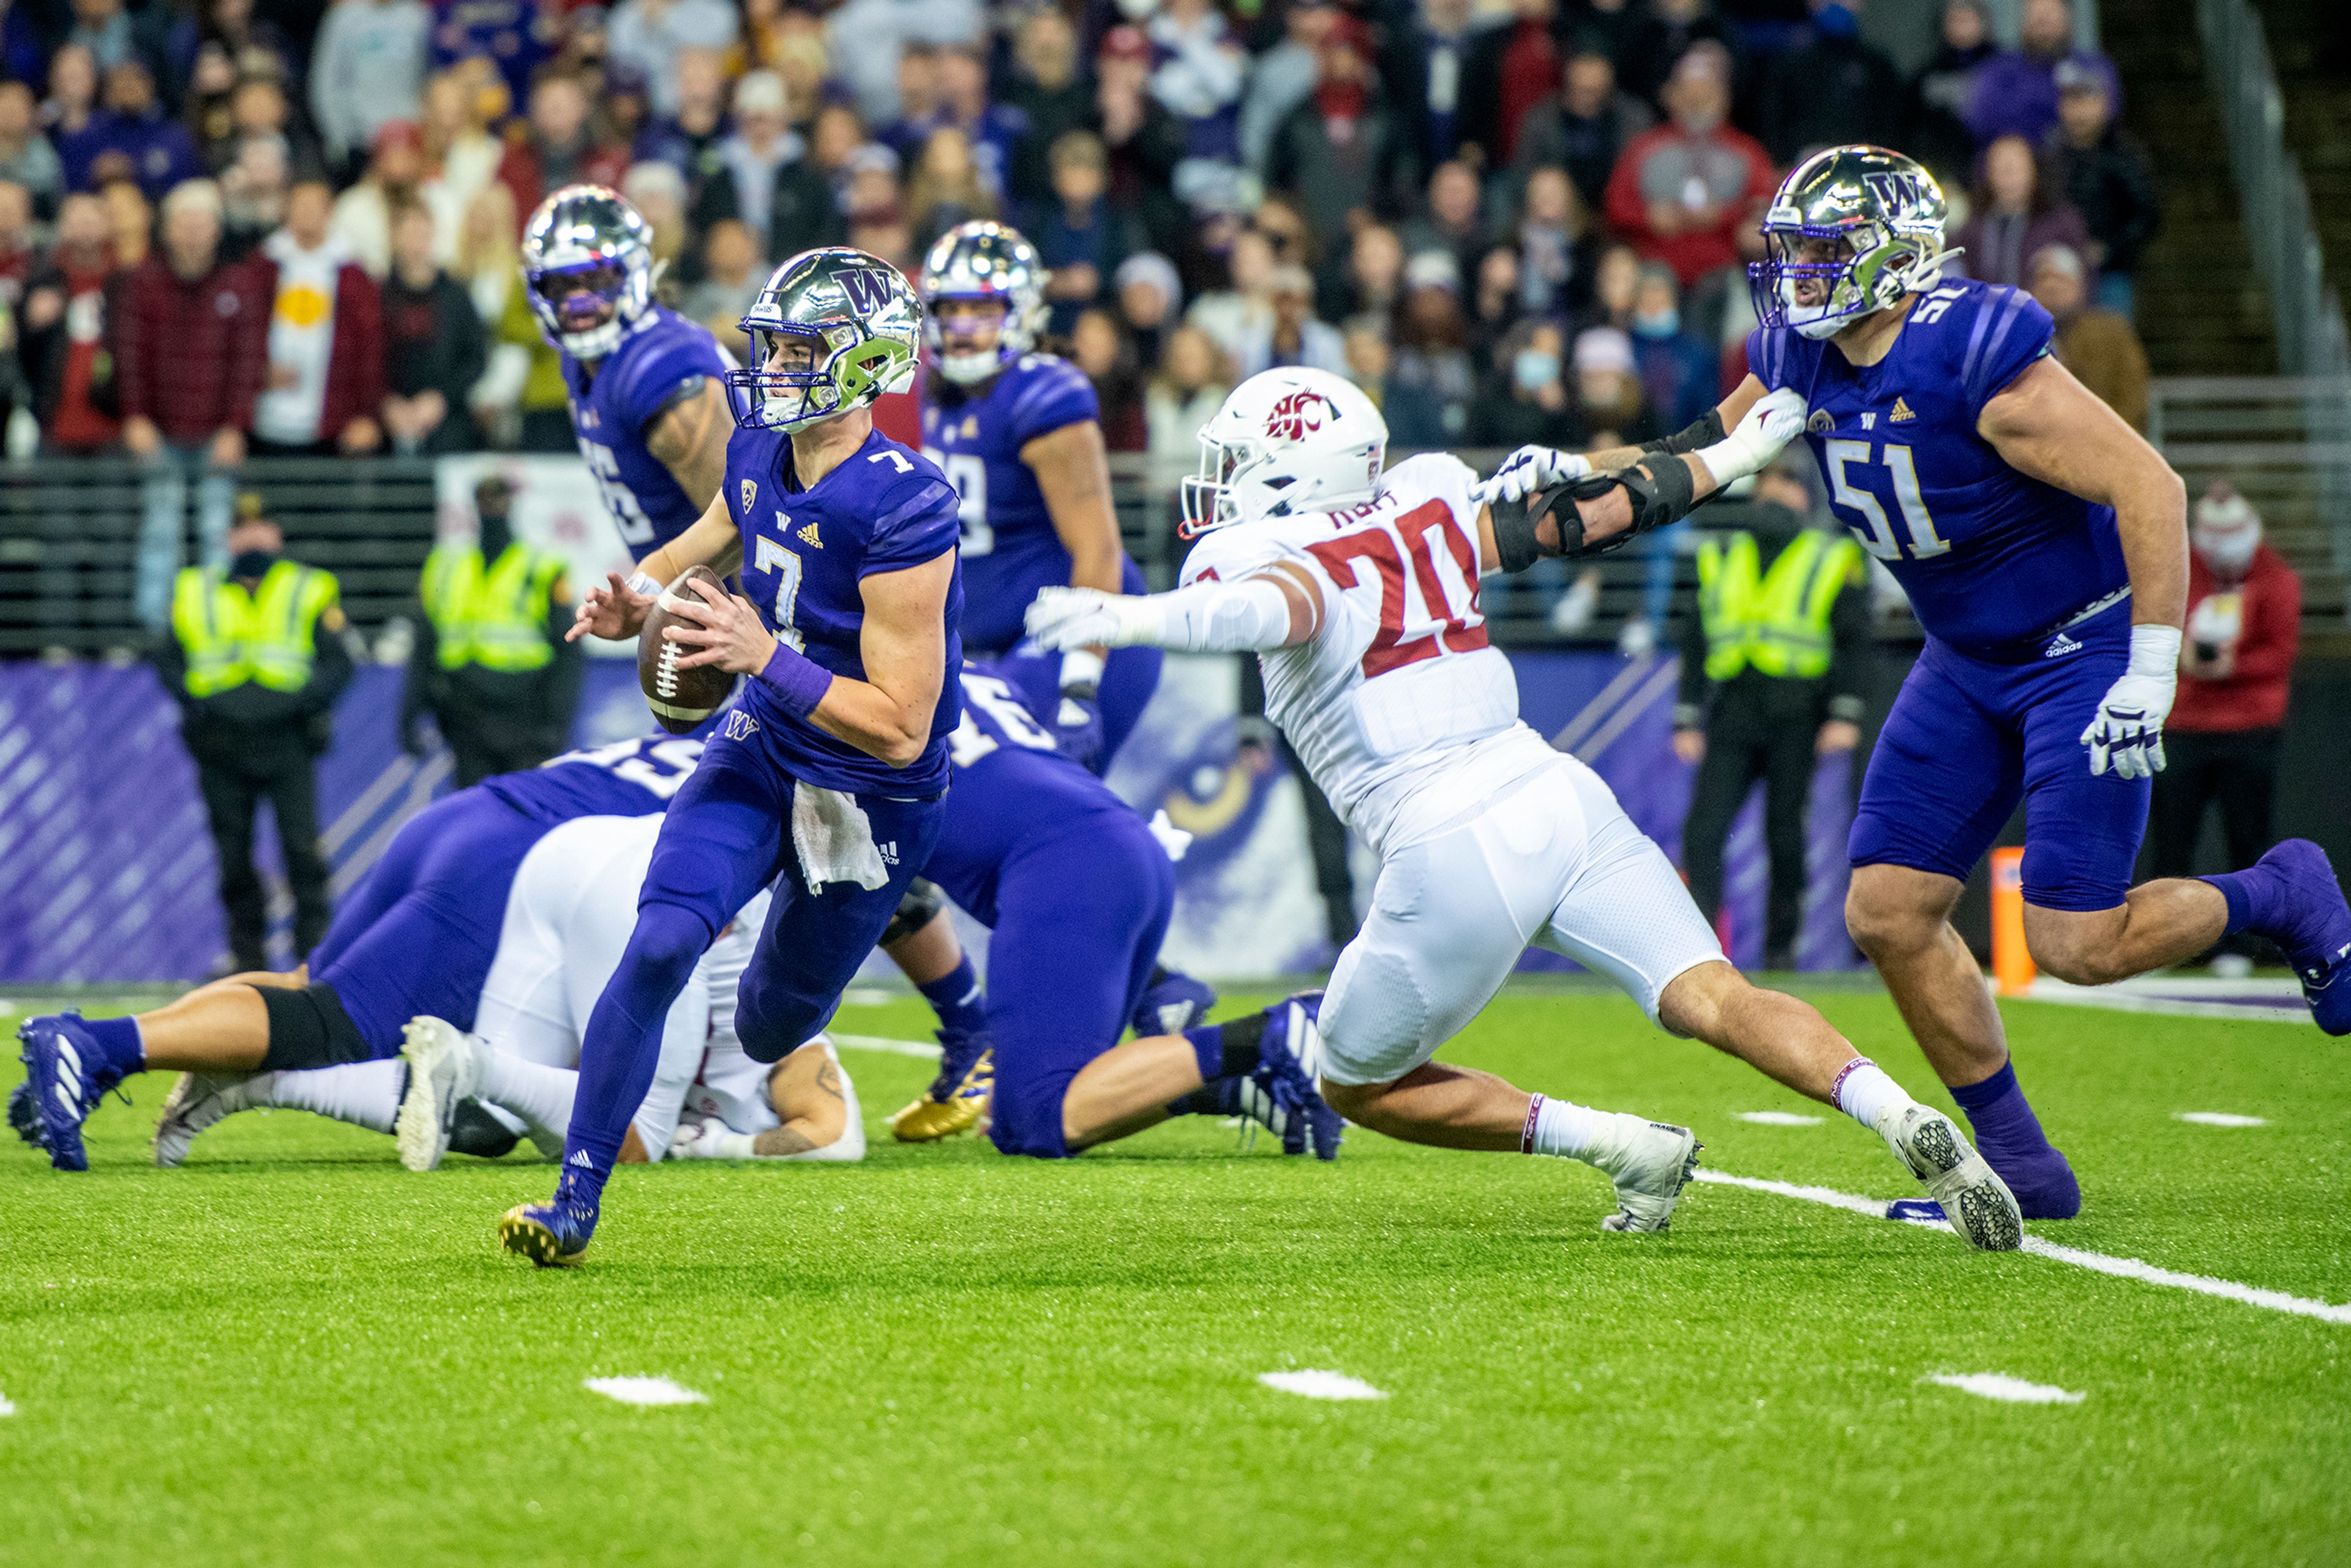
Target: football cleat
{"x":957,"y":1098}
{"x":1289,"y":1060}
{"x":198,"y":1101}
{"x":1980,"y":1207}
{"x":2317,"y":939}
{"x":550,"y":1233}
{"x":62,"y":1069}
{"x":442,"y":1072}
{"x":21,"y":1114}
{"x":1172,"y":1004}
{"x":1650,"y":1174}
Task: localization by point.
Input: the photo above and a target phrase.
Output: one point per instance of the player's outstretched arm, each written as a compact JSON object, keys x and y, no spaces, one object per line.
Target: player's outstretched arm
{"x":1533,"y":468}
{"x":617,"y":610}
{"x":1275,"y":608}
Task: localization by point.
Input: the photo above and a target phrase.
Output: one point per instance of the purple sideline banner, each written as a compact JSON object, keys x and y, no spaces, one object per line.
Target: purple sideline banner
{"x":113,"y":877}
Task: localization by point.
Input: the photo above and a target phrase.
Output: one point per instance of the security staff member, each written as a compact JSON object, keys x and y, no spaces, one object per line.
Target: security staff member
{"x":255,"y":659}
{"x":490,"y":663}
{"x":1775,"y":667}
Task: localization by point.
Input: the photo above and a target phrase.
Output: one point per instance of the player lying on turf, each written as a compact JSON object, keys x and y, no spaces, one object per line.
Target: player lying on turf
{"x":1358,"y":590}
{"x":415,"y":937}
{"x":566,"y":922}
{"x":2043,"y":546}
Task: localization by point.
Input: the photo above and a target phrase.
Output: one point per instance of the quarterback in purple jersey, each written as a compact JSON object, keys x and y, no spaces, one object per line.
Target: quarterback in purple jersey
{"x":647,"y":387}
{"x":2043,"y":546}
{"x":1018,"y":434}
{"x":415,"y":937}
{"x":826,"y":777}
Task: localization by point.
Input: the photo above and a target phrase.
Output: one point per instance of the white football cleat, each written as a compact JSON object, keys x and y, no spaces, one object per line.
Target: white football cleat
{"x":1975,"y":1201}
{"x":442,"y":1071}
{"x":198,"y":1101}
{"x":1649,"y":1173}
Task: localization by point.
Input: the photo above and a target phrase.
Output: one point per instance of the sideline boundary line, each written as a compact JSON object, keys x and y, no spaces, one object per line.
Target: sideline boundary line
{"x":2098,"y":1262}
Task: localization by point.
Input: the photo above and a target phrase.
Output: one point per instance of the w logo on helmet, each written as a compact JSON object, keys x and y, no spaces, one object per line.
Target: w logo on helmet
{"x":868,"y":288}
{"x":1896,"y":194}
{"x":1297,"y":413}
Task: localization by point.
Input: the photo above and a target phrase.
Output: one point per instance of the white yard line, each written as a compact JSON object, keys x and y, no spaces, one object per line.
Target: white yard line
{"x":2098,"y":1263}
{"x":2218,"y":1119}
{"x":882,"y":1043}
{"x":7,"y":1408}
{"x":1320,"y":1385}
{"x":2183,"y":1002}
{"x":645,"y":1391}
{"x":1780,"y":1119}
{"x":2012,"y":1390}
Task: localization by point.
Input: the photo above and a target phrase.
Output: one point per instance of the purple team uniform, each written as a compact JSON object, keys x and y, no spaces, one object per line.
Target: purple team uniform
{"x":1009,"y":547}
{"x":664,"y":358}
{"x":2021,"y":587}
{"x":1076,"y":889}
{"x":418,"y":934}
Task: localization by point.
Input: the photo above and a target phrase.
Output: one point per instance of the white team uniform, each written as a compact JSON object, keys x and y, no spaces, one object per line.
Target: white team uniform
{"x":568,"y":922}
{"x":1487,"y":838}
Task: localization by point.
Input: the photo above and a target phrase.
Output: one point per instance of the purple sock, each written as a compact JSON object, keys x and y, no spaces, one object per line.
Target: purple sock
{"x":958,"y":999}
{"x":2246,"y":892}
{"x":119,"y":1039}
{"x":2008,"y":1136}
{"x":1209,"y":1045}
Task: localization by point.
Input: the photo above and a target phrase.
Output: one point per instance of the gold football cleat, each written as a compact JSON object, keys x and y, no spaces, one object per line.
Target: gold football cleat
{"x":948,"y":1111}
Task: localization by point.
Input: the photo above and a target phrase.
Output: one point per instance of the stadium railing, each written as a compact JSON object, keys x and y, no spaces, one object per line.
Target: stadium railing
{"x":2278,"y":441}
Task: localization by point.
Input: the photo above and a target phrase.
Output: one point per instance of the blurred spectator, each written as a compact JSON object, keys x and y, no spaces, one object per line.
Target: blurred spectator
{"x":325,"y":381}
{"x":1430,"y":380}
{"x":555,"y":148}
{"x":1079,"y":236}
{"x":191,"y":347}
{"x":1341,"y":152}
{"x":254,"y":189}
{"x":460,"y":154}
{"x":1424,"y":63}
{"x":1838,"y":88}
{"x":485,"y":258}
{"x":1368,"y":363}
{"x":367,"y":68}
{"x":257,"y":44}
{"x":763,"y":33}
{"x":159,"y":154}
{"x":1943,"y":88}
{"x":687,"y":137}
{"x":888,"y":233}
{"x":1185,"y":395}
{"x":1678,"y":378}
{"x":945,"y":189}
{"x":435,"y":348}
{"x":78,"y":130}
{"x":1525,"y":397}
{"x":918,"y":103}
{"x":1494,"y":304}
{"x":1608,"y":28}
{"x":624,"y":111}
{"x":2097,"y":345}
{"x":1615,"y":285}
{"x":2236,"y":664}
{"x":363,"y":213}
{"x":1451,"y":219}
{"x":2015,"y":91}
{"x":2016,"y":216}
{"x":1280,"y":77}
{"x":1197,"y":72}
{"x":732,"y":277}
{"x":1293,"y":336}
{"x":522,"y":396}
{"x":1608,"y":389}
{"x":658,"y":192}
{"x":25,"y":156}
{"x":764,"y":180}
{"x":67,"y":306}
{"x":1145,"y":143}
{"x":1690,"y":193}
{"x":867,"y":37}
{"x":16,"y":254}
{"x":1150,"y":299}
{"x":1661,"y":40}
{"x":132,"y":219}
{"x":1554,"y":252}
{"x":22,"y":49}
{"x":1240,"y":311}
{"x":1584,"y":127}
{"x":2109,"y":179}
{"x":1511,"y":68}
{"x":648,"y":34}
{"x":113,"y":34}
{"x":834,"y":137}
{"x":210,"y":106}
{"x":1374,"y":279}
{"x":1050,"y":92}
{"x":1098,"y":348}
{"x":993,"y":129}
{"x":259,"y":108}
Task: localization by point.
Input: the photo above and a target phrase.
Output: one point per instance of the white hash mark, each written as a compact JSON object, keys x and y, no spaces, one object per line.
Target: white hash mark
{"x":2013,"y":1390}
{"x":1320,"y":1385}
{"x":1779,"y":1119}
{"x":2218,"y":1119}
{"x":646,"y":1390}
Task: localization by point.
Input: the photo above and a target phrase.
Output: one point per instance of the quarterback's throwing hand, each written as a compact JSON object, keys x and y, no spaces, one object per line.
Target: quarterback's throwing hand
{"x":1526,"y":471}
{"x":1066,"y":618}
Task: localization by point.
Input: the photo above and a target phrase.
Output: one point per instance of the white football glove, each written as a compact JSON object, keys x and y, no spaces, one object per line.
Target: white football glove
{"x":1063,"y":618}
{"x":1776,"y":419}
{"x":1526,"y":471}
{"x":2128,"y":732}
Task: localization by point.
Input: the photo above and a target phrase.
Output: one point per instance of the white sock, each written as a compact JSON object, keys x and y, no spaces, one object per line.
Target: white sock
{"x":1568,"y":1131}
{"x":1865,"y":1093}
{"x":364,"y":1094}
{"x":542,"y":1095}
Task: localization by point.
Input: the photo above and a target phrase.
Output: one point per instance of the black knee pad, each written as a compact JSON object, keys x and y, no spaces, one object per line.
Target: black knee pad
{"x":917,"y":909}
{"x":308,"y":1027}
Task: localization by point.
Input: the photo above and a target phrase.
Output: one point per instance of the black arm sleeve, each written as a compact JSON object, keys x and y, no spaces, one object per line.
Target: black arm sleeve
{"x":1698,"y":434}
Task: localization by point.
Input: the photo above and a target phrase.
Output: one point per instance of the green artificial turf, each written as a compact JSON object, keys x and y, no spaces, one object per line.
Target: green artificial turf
{"x":290,"y":1350}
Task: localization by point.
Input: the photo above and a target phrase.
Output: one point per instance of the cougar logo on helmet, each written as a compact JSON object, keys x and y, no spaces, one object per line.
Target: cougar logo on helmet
{"x":1297,"y":413}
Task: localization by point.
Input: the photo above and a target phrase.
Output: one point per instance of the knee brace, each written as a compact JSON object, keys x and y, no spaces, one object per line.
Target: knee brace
{"x":308,"y":1027}
{"x":917,"y":909}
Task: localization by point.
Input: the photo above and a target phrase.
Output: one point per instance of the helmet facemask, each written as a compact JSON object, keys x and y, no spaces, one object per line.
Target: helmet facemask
{"x":825,"y":380}
{"x":832,"y":332}
{"x":588,"y":270}
{"x":582,"y":307}
{"x":1852,"y":231}
{"x":970,"y":366}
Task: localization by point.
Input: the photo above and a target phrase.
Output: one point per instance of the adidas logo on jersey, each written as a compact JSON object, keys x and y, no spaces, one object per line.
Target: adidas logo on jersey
{"x":2059,"y":646}
{"x":808,"y":533}
{"x":1901,"y":412}
{"x":889,"y":852}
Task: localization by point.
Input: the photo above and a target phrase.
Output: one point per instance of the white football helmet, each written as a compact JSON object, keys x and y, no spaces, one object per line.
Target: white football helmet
{"x":1286,"y":442}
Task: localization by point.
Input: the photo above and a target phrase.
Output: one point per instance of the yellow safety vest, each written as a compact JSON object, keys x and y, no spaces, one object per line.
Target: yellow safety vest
{"x":231,"y":636}
{"x":495,"y":617}
{"x":1777,"y":621}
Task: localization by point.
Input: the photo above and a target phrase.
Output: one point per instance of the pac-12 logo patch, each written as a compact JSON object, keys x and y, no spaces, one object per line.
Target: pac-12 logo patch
{"x":750,"y":492}
{"x":1298,"y":413}
{"x":1822,"y":422}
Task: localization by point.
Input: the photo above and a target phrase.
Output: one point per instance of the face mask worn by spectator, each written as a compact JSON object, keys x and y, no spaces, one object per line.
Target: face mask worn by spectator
{"x":1534,"y":368}
{"x":2227,"y":533}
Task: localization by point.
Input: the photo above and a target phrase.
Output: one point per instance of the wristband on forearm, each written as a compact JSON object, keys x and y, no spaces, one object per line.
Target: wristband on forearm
{"x":639,"y":583}
{"x":1698,"y":435}
{"x":1082,"y":672}
{"x":798,"y":681}
{"x":2155,"y":649}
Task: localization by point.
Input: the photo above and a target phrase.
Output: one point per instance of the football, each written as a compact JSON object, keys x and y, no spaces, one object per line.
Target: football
{"x":681,"y":698}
